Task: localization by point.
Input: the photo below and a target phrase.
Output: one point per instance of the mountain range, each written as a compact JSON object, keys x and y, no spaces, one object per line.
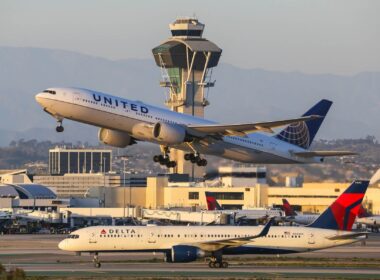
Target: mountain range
{"x":240,"y":95}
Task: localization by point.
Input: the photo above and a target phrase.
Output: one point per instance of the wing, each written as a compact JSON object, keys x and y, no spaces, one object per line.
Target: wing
{"x":216,"y":245}
{"x":242,"y":129}
{"x":309,"y":154}
{"x":348,"y":236}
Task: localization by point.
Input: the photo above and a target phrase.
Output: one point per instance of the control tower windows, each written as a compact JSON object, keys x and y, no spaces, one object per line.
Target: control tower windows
{"x":187,"y":32}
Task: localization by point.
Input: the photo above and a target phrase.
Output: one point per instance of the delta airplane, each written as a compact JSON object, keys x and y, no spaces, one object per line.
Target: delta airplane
{"x":122,"y":122}
{"x":298,"y":218}
{"x":371,"y":221}
{"x":250,"y":214}
{"x":187,"y":243}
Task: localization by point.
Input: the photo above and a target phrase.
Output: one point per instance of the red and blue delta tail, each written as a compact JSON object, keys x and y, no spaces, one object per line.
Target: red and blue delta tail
{"x":288,"y":209}
{"x":212,"y":204}
{"x":342,"y":213}
{"x":302,"y":133}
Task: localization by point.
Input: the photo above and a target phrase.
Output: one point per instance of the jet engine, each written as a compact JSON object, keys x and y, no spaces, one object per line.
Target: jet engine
{"x":115,"y":138}
{"x":170,"y":134}
{"x":184,"y":253}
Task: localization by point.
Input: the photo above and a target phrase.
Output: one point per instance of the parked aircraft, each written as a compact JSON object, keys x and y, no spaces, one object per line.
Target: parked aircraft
{"x":187,"y":243}
{"x":122,"y":122}
{"x":299,"y":218}
{"x":249,"y":214}
{"x":371,"y":221}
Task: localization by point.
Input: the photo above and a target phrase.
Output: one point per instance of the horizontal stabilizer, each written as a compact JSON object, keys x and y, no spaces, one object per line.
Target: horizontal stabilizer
{"x":310,"y":154}
{"x":348,"y":236}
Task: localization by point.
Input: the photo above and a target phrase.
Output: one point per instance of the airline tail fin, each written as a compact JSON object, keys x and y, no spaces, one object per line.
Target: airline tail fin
{"x":302,"y":134}
{"x":342,"y":213}
{"x":212,"y":204}
{"x":288,"y":209}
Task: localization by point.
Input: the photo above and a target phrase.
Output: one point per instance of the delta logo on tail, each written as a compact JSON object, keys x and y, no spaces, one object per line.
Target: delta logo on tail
{"x":212,"y":204}
{"x":343,"y":212}
{"x":288,"y":209}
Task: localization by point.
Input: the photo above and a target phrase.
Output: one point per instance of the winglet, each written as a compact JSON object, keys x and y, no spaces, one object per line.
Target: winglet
{"x":266,"y":228}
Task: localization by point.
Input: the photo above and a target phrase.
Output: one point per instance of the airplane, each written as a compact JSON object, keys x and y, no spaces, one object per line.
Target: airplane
{"x":253,"y":214}
{"x":299,"y":218}
{"x":187,"y":243}
{"x":122,"y":122}
{"x":371,"y":221}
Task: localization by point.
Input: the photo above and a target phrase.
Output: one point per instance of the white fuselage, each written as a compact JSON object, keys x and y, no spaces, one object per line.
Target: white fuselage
{"x":163,"y":238}
{"x":372,"y":221}
{"x":303,"y":219}
{"x":106,"y":111}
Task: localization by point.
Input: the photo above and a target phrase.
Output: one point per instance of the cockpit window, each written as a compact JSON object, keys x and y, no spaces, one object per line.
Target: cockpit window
{"x":50,"y":91}
{"x":73,"y":236}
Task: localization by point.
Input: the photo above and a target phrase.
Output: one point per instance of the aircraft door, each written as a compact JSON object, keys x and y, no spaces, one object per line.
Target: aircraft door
{"x":153,"y":236}
{"x":92,"y":239}
{"x":311,"y":239}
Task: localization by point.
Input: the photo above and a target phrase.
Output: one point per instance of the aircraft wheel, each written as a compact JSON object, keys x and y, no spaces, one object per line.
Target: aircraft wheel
{"x":211,"y":264}
{"x":59,"y":128}
{"x":194,"y":159}
{"x":97,"y":265}
{"x":156,"y":158}
{"x":217,"y":265}
{"x":187,"y":156}
{"x":224,"y":264}
{"x":202,"y":162}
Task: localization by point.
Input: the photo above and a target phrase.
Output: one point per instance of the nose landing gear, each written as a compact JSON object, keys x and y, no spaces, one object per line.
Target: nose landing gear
{"x":59,"y":127}
{"x":96,"y":261}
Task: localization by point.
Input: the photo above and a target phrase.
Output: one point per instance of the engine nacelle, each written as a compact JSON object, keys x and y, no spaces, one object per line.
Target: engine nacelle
{"x":170,"y":134}
{"x":115,"y":138}
{"x":184,"y":253}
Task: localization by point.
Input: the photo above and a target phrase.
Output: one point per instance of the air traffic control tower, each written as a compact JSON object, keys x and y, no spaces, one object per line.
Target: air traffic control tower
{"x":186,"y":61}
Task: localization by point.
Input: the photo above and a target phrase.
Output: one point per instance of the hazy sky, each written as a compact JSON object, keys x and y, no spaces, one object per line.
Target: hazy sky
{"x":313,"y":36}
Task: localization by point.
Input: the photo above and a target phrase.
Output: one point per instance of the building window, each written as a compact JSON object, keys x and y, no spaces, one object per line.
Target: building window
{"x":193,"y":195}
{"x":229,"y":195}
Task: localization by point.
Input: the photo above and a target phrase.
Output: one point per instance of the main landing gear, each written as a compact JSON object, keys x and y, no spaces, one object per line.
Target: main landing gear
{"x":216,"y":261}
{"x":195,"y":158}
{"x":96,"y":261}
{"x":165,"y":159}
{"x":59,"y":127}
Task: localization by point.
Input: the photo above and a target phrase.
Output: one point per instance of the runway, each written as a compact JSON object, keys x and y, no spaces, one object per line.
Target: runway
{"x":38,"y":255}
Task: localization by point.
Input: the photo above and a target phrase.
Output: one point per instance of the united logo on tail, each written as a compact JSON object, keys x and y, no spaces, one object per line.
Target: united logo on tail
{"x":342,"y":213}
{"x":302,"y":133}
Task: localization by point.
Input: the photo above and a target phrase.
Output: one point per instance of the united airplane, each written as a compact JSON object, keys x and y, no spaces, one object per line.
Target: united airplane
{"x":122,"y":122}
{"x":187,"y":243}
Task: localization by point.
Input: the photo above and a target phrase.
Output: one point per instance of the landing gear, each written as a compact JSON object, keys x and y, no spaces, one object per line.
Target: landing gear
{"x":217,"y":263}
{"x":59,"y":127}
{"x":165,"y":159}
{"x":195,"y":158}
{"x":96,"y":261}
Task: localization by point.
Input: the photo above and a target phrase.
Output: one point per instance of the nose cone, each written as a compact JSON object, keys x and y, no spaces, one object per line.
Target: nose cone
{"x":63,"y":245}
{"x":39,"y":97}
